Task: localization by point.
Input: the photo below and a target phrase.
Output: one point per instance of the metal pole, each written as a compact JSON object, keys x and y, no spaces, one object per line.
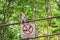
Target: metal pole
{"x":47,"y":14}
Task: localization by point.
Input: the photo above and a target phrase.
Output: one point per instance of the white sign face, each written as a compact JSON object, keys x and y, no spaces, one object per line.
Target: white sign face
{"x":27,"y":31}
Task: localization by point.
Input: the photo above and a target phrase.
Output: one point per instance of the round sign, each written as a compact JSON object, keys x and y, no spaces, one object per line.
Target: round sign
{"x":27,"y":29}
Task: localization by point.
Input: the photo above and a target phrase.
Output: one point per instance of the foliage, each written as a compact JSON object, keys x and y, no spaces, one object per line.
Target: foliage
{"x":10,"y":11}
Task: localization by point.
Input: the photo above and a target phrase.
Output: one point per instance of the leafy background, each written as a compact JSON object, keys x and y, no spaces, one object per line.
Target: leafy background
{"x":10,"y":11}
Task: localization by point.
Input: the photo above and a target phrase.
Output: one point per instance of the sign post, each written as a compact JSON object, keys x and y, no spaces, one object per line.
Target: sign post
{"x":27,"y":29}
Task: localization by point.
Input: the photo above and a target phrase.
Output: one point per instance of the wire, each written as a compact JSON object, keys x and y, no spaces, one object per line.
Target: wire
{"x":2,"y":25}
{"x":44,"y":36}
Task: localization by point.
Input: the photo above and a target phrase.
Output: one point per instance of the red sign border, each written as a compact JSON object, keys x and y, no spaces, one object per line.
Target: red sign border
{"x":26,"y":25}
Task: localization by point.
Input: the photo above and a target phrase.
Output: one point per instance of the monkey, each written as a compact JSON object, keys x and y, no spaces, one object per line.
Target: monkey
{"x":22,"y":17}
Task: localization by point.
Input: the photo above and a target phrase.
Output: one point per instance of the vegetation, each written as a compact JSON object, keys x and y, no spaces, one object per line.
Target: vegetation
{"x":33,"y":9}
